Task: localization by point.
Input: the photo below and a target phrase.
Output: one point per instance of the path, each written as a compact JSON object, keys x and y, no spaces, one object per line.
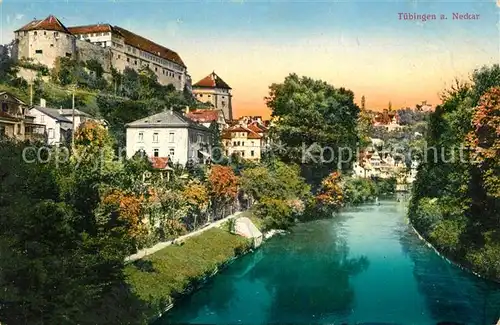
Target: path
{"x":151,"y":250}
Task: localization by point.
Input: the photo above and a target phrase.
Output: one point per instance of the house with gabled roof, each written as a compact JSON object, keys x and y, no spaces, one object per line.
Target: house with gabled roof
{"x":242,"y":141}
{"x":214,"y":90}
{"x":58,"y":122}
{"x":16,"y":122}
{"x":171,"y":135}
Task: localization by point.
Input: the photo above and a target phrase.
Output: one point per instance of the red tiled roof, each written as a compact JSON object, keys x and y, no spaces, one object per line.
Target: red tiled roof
{"x":99,"y":28}
{"x":148,"y":46}
{"x":49,"y":23}
{"x":212,"y":81}
{"x":204,"y":115}
{"x":159,"y":162}
{"x":250,"y":134}
{"x":255,"y":127}
{"x":253,"y":136}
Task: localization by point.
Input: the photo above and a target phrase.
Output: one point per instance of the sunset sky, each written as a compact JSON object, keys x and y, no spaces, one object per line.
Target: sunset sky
{"x":360,"y":45}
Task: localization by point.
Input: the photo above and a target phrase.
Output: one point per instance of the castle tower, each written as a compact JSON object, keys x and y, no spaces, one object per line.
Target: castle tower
{"x":43,"y":41}
{"x":217,"y":92}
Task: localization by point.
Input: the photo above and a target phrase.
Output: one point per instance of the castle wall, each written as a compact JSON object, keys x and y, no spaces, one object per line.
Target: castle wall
{"x":87,"y":51}
{"x":43,"y":46}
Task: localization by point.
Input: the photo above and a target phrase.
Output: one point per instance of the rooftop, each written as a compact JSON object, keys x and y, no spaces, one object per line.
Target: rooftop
{"x":49,"y":23}
{"x":149,"y":46}
{"x":204,"y":115}
{"x":52,"y":23}
{"x":52,"y":112}
{"x":212,"y":81}
{"x":169,"y":119}
{"x":159,"y":162}
{"x":239,"y":128}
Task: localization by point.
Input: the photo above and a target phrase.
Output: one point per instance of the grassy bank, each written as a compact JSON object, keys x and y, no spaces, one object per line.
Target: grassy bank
{"x":162,"y":277}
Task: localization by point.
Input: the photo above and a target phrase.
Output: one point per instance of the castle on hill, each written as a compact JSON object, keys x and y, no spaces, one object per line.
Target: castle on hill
{"x":43,"y":41}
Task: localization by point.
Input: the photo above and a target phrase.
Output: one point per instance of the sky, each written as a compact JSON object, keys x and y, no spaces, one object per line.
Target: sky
{"x":361,"y":45}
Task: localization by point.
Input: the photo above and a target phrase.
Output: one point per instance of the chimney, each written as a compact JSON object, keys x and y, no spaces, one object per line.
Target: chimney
{"x":43,"y":103}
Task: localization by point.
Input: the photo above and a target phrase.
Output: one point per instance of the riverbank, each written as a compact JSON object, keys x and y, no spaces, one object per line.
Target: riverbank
{"x":161,"y":278}
{"x":448,"y":259}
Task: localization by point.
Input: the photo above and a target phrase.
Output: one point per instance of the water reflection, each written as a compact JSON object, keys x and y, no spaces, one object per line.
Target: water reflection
{"x":450,"y":293}
{"x":308,"y":273}
{"x":299,"y":277}
{"x":364,"y":266}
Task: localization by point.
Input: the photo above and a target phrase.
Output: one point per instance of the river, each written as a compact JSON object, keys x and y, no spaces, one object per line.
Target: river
{"x":364,"y":266}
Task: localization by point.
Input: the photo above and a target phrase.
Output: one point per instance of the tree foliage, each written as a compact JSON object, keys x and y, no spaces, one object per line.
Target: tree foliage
{"x":310,"y":112}
{"x":455,"y":202}
{"x":485,"y":140}
{"x":330,"y":195}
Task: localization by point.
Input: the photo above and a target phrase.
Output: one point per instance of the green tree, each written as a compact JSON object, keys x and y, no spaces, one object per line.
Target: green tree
{"x":312,"y":114}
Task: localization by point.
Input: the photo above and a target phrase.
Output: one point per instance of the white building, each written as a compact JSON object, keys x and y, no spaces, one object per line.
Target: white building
{"x":244,"y":141}
{"x":58,"y":122}
{"x":43,"y":41}
{"x":169,"y":135}
{"x":212,"y":89}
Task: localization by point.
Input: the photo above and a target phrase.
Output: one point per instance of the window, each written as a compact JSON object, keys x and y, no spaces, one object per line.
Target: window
{"x":39,"y":52}
{"x":141,"y":136}
{"x":42,"y":118}
{"x":252,"y":153}
{"x":234,"y":143}
{"x":201,"y":95}
{"x":4,"y":107}
{"x":155,"y":137}
{"x":171,"y":152}
{"x":56,"y":34}
{"x":223,"y":103}
{"x":156,"y":152}
{"x":171,"y":137}
{"x":243,"y":153}
{"x":44,"y":33}
{"x":68,"y":55}
{"x":243,"y":143}
{"x":35,"y":33}
{"x":128,"y":59}
{"x":51,"y":133}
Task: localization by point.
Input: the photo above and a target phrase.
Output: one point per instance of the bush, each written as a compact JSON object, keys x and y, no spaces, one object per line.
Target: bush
{"x":275,"y":213}
{"x":446,"y":235}
{"x":485,"y":260}
{"x":359,"y":190}
{"x":427,"y":215}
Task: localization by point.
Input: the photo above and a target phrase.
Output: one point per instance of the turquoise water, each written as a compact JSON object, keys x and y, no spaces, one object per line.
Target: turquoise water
{"x":365,"y":266}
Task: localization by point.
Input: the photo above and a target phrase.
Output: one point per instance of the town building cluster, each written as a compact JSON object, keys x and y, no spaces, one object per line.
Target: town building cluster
{"x":170,"y":136}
